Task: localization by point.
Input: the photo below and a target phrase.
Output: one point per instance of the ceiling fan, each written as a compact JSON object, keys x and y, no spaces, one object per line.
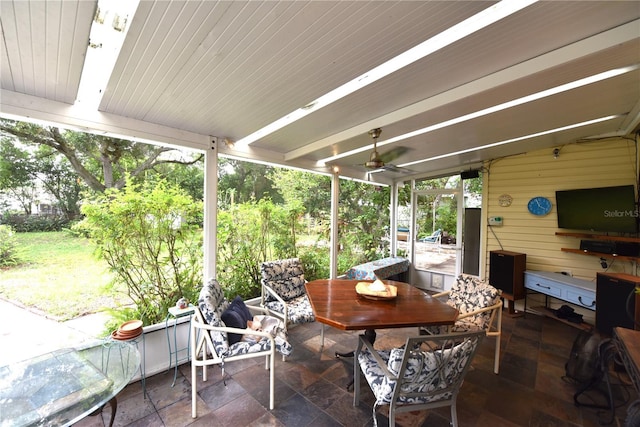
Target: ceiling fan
{"x":379,"y":162}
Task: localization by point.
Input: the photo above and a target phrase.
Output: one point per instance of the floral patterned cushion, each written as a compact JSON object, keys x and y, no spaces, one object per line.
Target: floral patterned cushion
{"x":285,"y":277}
{"x":212,"y":304}
{"x":426,"y":372}
{"x":299,"y":309}
{"x":469,"y":293}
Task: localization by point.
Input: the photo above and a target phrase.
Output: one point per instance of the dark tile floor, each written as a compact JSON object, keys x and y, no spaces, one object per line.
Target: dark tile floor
{"x":311,"y":387}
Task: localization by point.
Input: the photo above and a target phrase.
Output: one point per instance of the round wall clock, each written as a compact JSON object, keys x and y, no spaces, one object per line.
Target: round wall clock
{"x":505,"y":200}
{"x":539,"y":206}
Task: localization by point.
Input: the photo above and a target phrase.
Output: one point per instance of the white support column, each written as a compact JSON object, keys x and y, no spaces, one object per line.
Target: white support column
{"x":393,"y":218}
{"x":210,"y":244}
{"x":335,"y":202}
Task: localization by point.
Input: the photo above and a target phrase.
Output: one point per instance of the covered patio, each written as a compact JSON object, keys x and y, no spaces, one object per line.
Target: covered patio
{"x":311,"y":387}
{"x":452,"y":85}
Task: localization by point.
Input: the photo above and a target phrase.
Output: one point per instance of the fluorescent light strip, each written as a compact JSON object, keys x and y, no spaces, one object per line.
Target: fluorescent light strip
{"x":457,"y":32}
{"x":509,"y":104}
{"x":101,"y":55}
{"x":508,"y":141}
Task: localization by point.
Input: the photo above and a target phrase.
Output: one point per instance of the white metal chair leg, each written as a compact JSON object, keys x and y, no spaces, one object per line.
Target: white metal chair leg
{"x":272,"y":377}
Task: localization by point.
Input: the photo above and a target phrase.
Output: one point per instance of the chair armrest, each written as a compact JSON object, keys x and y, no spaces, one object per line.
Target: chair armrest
{"x":285,"y":313}
{"x":274,"y":294}
{"x":441,"y":294}
{"x":259,"y":310}
{"x":247,"y":331}
{"x":381,"y":363}
{"x":480,"y":310}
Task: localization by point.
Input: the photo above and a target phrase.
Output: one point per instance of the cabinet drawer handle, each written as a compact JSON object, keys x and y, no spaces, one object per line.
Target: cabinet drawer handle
{"x":546,"y":287}
{"x":586,"y":305}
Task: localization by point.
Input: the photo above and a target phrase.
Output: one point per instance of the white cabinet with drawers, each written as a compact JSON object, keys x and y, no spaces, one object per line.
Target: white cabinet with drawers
{"x":574,"y":291}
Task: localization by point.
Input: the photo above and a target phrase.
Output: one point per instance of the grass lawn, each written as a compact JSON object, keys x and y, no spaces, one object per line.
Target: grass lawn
{"x":60,"y":276}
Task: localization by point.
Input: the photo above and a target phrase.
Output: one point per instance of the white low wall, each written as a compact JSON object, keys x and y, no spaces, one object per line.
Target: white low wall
{"x":154,"y":350}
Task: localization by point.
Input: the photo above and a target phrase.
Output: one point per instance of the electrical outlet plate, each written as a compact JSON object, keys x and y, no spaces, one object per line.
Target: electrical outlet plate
{"x":437,"y":282}
{"x":495,"y":220}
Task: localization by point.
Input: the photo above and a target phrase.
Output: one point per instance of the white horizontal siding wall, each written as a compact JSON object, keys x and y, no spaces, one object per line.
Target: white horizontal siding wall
{"x":579,"y":165}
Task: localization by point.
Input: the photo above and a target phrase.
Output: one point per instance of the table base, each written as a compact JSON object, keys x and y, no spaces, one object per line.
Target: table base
{"x":114,"y":407}
{"x":370,"y":335}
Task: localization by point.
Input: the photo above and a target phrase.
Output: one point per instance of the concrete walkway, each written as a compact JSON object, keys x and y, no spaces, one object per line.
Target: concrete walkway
{"x":25,"y":334}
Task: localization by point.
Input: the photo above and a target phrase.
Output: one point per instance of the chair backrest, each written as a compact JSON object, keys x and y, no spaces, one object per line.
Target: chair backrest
{"x":285,"y":277}
{"x":469,"y":293}
{"x":212,"y":303}
{"x":433,"y":370}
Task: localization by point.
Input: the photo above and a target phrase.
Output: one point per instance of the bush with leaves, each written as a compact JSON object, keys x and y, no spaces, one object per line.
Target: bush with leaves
{"x":35,"y":223}
{"x":8,"y":247}
{"x":146,"y":233}
{"x":249,"y":234}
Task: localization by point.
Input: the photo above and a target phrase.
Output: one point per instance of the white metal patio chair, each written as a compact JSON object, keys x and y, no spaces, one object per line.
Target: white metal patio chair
{"x":480,"y":308}
{"x":284,"y":294}
{"x":210,"y":343}
{"x":427,"y":372}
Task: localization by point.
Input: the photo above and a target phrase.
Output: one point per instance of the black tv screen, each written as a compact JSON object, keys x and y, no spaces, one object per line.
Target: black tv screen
{"x":609,"y":209}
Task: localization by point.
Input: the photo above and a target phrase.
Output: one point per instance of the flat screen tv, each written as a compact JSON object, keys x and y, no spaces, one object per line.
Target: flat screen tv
{"x":608,"y":209}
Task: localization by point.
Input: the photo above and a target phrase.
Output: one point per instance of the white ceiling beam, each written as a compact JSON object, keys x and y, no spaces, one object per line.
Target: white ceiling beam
{"x":18,"y":106}
{"x":599,"y":42}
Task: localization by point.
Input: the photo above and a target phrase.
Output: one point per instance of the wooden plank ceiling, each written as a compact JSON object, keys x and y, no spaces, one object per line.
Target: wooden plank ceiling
{"x":188,"y":70}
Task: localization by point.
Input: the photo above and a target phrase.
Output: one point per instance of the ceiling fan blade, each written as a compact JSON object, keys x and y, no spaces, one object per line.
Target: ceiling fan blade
{"x":379,"y":162}
{"x":392,"y":168}
{"x":393,"y":154}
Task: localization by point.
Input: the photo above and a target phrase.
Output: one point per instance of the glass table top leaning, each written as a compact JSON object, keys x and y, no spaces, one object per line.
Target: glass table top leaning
{"x":64,"y":386}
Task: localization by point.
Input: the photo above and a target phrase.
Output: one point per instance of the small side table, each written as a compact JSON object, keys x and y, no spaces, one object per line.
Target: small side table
{"x":174,"y":314}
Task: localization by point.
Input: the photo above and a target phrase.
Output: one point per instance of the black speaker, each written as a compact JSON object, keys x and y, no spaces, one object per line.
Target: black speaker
{"x":615,"y":301}
{"x":506,"y":272}
{"x":469,"y":174}
{"x":471,"y":241}
{"x":600,"y":246}
{"x":631,"y":249}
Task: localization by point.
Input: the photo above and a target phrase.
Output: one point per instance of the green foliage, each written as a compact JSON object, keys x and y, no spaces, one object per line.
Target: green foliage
{"x":8,"y":247}
{"x":364,"y":220}
{"x":315,"y":261}
{"x":249,"y":234}
{"x":242,"y":182}
{"x":473,"y":185}
{"x":444,"y":207}
{"x":309,"y":190}
{"x":144,"y":233}
{"x":16,"y":174}
{"x":59,"y":179}
{"x":99,"y":161}
{"x":35,"y":223}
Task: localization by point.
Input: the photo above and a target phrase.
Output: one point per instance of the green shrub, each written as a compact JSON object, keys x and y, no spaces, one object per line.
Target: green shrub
{"x":249,"y":234}
{"x":315,"y":261}
{"x":8,"y":247}
{"x":146,"y":235}
{"x":34,"y":223}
